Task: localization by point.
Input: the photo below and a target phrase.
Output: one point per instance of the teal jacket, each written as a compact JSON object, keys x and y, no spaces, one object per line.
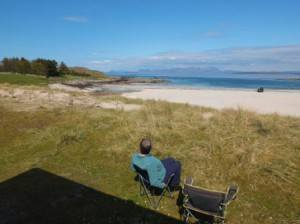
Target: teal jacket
{"x":154,"y":167}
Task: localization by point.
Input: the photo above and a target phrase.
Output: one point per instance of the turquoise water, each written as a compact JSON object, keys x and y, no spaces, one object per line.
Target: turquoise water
{"x":244,"y":81}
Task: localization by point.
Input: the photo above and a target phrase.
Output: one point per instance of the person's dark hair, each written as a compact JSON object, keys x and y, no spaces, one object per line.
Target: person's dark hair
{"x":145,"y":146}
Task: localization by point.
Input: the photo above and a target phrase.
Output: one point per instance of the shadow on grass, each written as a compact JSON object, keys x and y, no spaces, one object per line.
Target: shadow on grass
{"x":38,"y":196}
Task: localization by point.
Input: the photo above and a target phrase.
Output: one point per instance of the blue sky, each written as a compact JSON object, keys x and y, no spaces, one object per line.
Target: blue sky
{"x":248,"y":35}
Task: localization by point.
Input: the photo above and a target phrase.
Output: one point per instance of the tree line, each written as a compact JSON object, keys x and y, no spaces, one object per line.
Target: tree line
{"x":43,"y":67}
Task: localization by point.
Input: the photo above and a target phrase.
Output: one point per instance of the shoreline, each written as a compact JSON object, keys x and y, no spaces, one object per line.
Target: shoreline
{"x":139,"y":86}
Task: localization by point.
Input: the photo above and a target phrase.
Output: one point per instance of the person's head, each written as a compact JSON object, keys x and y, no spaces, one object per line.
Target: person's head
{"x":145,"y":146}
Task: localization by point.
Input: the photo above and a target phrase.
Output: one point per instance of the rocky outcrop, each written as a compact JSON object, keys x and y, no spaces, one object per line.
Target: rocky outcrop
{"x":83,"y":84}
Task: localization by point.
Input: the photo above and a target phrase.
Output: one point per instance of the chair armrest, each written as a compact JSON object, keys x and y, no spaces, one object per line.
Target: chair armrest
{"x":231,"y":194}
{"x":188,"y":180}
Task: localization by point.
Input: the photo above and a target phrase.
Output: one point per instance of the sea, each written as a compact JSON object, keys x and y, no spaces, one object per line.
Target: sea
{"x":232,"y":81}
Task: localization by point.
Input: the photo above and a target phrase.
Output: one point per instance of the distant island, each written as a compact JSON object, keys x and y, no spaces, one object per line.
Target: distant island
{"x":269,"y":72}
{"x":194,"y":71}
{"x":290,"y":79}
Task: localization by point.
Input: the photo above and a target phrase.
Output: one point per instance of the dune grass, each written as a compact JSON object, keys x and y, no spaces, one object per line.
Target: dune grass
{"x":93,"y":146}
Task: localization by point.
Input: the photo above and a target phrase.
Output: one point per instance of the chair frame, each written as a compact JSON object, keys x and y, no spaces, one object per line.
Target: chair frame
{"x":189,"y":208}
{"x":150,"y":191}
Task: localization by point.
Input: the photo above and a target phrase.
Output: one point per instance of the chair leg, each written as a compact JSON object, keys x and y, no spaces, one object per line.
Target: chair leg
{"x":185,"y":216}
{"x":150,"y":198}
{"x":145,"y":191}
{"x":150,"y":194}
{"x":220,"y":220}
{"x":170,"y":195}
{"x":142,"y":190}
{"x":160,"y":197}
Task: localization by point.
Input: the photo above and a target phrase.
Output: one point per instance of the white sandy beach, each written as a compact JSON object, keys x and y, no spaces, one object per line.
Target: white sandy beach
{"x":280,"y":102}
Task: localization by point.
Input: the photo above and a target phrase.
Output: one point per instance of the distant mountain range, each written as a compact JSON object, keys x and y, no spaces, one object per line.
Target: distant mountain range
{"x":192,"y":72}
{"x":170,"y":72}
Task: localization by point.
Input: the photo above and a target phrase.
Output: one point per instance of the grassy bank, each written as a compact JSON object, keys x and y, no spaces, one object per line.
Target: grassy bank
{"x":92,"y":147}
{"x":20,"y":79}
{"x":29,"y":79}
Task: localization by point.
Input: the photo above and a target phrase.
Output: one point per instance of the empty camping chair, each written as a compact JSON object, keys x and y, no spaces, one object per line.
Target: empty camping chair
{"x":150,"y":191}
{"x":202,"y":201}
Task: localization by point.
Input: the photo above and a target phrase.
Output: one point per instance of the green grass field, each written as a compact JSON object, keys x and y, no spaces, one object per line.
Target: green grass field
{"x":11,"y":78}
{"x":71,"y":164}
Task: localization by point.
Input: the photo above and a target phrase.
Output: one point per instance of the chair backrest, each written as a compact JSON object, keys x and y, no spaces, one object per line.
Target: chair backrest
{"x":204,"y":199}
{"x":142,"y":174}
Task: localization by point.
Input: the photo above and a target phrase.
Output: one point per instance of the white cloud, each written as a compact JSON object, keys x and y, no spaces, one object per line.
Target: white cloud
{"x":75,"y":19}
{"x":280,"y":58}
{"x":101,"y":62}
{"x":212,"y":33}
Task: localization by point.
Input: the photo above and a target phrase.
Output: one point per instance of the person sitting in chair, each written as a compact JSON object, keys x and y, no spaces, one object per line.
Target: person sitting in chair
{"x":159,"y":171}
